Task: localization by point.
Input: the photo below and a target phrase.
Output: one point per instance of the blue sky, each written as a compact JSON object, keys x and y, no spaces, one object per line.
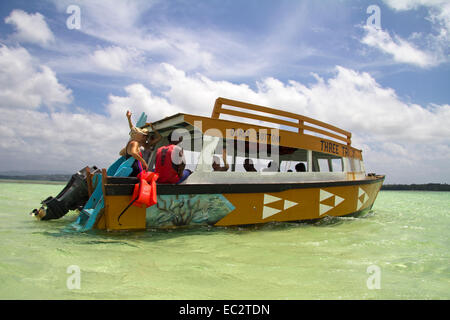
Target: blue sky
{"x":387,"y":84}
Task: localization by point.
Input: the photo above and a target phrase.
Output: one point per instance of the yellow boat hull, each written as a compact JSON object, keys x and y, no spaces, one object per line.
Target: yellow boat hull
{"x":301,"y":203}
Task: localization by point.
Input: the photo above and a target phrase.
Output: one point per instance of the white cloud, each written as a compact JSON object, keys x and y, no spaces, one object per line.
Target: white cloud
{"x":414,"y":4}
{"x":195,"y":93}
{"x":26,"y":84}
{"x":437,"y":43}
{"x":59,"y":141}
{"x":405,"y":141}
{"x":140,"y":99}
{"x":350,"y":99}
{"x":401,"y":50}
{"x":30,"y":28}
{"x":116,"y":59}
{"x":119,"y":23}
{"x":218,"y":53}
{"x":438,"y":10}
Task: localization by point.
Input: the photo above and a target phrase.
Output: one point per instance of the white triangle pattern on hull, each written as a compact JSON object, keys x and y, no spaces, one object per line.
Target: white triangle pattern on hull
{"x":269,"y":211}
{"x":360,"y":202}
{"x":324,"y":195}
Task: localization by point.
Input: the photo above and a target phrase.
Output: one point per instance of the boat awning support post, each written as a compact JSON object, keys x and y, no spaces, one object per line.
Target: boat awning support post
{"x":310,"y":161}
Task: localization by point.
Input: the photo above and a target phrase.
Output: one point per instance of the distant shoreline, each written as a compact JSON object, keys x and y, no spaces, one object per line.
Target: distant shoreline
{"x":416,"y":187}
{"x":31,"y":181}
{"x":49,"y":177}
{"x":36,"y":178}
{"x":62,"y":179}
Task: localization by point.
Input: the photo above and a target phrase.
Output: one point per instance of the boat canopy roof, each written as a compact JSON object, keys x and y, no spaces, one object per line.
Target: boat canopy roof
{"x":264,"y":125}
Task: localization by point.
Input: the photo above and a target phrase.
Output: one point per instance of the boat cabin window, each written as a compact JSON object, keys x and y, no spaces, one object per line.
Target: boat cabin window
{"x":363,"y":168}
{"x":355,"y":165}
{"x":337,"y":165}
{"x":191,"y":159}
{"x":293,"y":160}
{"x":323,"y":162}
{"x":324,"y":165}
{"x":290,"y":159}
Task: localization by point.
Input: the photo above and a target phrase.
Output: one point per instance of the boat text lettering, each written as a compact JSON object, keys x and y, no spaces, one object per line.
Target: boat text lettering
{"x":330,"y":147}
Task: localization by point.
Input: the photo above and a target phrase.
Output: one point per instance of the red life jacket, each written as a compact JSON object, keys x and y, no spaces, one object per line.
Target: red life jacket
{"x":144,"y":193}
{"x":163,"y":166}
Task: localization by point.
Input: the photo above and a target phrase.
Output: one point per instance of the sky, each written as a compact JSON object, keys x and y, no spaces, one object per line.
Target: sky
{"x":69,"y":70}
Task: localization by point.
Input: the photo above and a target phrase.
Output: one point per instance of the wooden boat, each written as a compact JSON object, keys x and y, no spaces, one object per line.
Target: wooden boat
{"x":334,"y":183}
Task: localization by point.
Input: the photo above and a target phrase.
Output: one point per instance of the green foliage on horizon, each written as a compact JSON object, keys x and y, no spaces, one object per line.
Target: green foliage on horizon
{"x":417,"y":187}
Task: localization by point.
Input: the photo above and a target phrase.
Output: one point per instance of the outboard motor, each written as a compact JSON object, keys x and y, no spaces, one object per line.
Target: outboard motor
{"x":74,"y":196}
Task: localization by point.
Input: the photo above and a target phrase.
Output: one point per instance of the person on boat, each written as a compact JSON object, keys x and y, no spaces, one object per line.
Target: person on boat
{"x":139,"y":138}
{"x":248,"y":165}
{"x":132,"y":149}
{"x":271,"y":167}
{"x":216,"y":162}
{"x":300,"y":167}
{"x":153,"y":138}
{"x":170,"y":162}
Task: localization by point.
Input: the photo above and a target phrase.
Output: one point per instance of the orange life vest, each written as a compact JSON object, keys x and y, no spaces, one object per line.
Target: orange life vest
{"x":145,"y":191}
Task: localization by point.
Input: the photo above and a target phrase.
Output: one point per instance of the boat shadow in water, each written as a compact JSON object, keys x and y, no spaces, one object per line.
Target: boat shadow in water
{"x":326,"y":221}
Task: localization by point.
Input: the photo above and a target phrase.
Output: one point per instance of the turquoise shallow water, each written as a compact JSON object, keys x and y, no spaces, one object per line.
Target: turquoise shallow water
{"x":405,"y":238}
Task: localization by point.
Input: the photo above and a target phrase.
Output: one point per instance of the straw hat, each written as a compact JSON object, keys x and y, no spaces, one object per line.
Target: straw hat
{"x":135,"y":131}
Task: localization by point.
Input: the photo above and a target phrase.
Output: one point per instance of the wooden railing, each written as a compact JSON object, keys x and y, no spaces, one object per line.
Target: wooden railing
{"x":299,"y":122}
